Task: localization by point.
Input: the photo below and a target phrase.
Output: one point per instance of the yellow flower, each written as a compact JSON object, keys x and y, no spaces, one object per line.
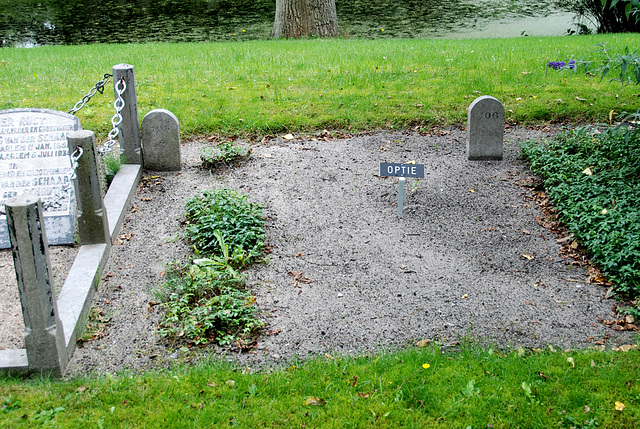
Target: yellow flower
{"x":426,"y":366}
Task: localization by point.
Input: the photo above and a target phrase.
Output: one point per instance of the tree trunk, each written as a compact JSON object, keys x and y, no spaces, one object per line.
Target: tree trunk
{"x":305,"y":18}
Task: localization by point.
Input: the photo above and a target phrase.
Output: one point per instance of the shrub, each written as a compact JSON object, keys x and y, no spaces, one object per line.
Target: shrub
{"x":608,"y":16}
{"x":591,"y":174}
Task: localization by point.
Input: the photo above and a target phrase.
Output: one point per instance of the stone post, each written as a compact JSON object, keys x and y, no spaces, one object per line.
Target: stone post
{"x":130,"y":126}
{"x":44,"y":337}
{"x":93,"y":225}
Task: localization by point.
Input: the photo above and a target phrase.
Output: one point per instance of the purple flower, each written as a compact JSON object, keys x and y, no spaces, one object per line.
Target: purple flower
{"x":558,"y":65}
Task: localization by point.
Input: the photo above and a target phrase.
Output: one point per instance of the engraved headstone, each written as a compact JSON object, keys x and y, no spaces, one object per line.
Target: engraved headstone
{"x":161,"y":141}
{"x":34,"y":160}
{"x":485,"y":129}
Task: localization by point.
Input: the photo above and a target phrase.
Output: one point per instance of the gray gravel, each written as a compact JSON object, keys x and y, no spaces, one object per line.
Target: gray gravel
{"x":452,"y":267}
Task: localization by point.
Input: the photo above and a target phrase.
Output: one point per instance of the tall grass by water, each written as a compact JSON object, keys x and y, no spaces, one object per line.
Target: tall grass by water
{"x":268,"y":87}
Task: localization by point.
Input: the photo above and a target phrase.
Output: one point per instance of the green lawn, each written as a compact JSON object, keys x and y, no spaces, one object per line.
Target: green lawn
{"x":268,"y":87}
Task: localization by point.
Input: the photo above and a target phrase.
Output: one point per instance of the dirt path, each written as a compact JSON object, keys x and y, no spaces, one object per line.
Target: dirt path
{"x":451,"y":267}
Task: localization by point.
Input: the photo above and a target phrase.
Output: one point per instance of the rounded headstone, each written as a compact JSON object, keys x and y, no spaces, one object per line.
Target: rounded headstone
{"x":485,"y":129}
{"x":161,"y":141}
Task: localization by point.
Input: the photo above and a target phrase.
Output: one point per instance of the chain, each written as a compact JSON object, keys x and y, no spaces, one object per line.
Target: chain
{"x":116,"y":119}
{"x":57,"y":199}
{"x":98,"y":87}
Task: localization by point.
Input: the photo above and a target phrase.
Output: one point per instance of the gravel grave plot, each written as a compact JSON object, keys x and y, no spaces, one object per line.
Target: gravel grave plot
{"x":345,"y":274}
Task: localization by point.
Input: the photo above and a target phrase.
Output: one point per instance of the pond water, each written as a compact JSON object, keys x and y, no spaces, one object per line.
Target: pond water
{"x":45,"y":22}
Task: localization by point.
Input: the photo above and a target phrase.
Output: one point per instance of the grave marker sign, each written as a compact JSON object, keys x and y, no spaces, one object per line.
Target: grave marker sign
{"x":402,"y":171}
{"x":34,"y":160}
{"x":485,"y":129}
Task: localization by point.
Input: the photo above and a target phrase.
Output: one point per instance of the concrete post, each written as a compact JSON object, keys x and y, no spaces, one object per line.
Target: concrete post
{"x":93,"y":224}
{"x":44,"y":337}
{"x":130,"y":126}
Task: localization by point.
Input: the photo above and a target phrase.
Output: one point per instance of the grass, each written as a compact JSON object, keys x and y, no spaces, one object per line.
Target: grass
{"x":471,"y":387}
{"x":268,"y":87}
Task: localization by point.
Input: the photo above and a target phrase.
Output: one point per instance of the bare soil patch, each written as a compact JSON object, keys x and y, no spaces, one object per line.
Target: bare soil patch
{"x":345,"y":274}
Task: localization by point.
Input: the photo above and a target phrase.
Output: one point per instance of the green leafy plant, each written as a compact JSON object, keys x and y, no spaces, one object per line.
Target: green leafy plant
{"x":207,"y":303}
{"x":223,"y":154}
{"x":205,"y":299}
{"x":229,"y":214}
{"x":608,"y":16}
{"x":591,"y":174}
{"x":112,"y":164}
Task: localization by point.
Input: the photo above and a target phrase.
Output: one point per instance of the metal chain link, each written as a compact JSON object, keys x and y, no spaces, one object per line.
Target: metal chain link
{"x":116,"y":119}
{"x":56,"y":202}
{"x":98,"y":87}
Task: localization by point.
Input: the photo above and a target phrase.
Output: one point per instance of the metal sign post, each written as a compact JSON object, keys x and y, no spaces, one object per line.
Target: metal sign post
{"x":402,"y":171}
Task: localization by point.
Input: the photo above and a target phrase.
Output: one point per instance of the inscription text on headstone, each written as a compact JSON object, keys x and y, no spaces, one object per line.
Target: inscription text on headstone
{"x":34,"y":160}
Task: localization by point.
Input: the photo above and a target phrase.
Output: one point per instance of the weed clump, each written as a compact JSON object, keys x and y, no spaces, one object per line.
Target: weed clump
{"x":205,"y":298}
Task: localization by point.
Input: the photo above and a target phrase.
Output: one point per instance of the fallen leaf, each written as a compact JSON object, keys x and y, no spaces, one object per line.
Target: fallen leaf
{"x":288,"y":137}
{"x":586,"y":409}
{"x":625,"y":348}
{"x":364,"y":395}
{"x":588,"y":171}
{"x":314,"y":400}
{"x":354,"y":381}
{"x":619,"y":406}
{"x":465,"y":296}
{"x":570,"y":360}
{"x":230,"y":383}
{"x":527,"y":257}
{"x":423,"y":343}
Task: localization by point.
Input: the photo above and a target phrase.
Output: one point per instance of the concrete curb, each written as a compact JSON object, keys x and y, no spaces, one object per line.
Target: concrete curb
{"x":77,"y":292}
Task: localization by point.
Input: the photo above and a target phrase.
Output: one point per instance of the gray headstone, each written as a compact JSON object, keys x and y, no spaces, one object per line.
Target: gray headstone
{"x":485,"y":129}
{"x":34,"y":160}
{"x":161,"y":141}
